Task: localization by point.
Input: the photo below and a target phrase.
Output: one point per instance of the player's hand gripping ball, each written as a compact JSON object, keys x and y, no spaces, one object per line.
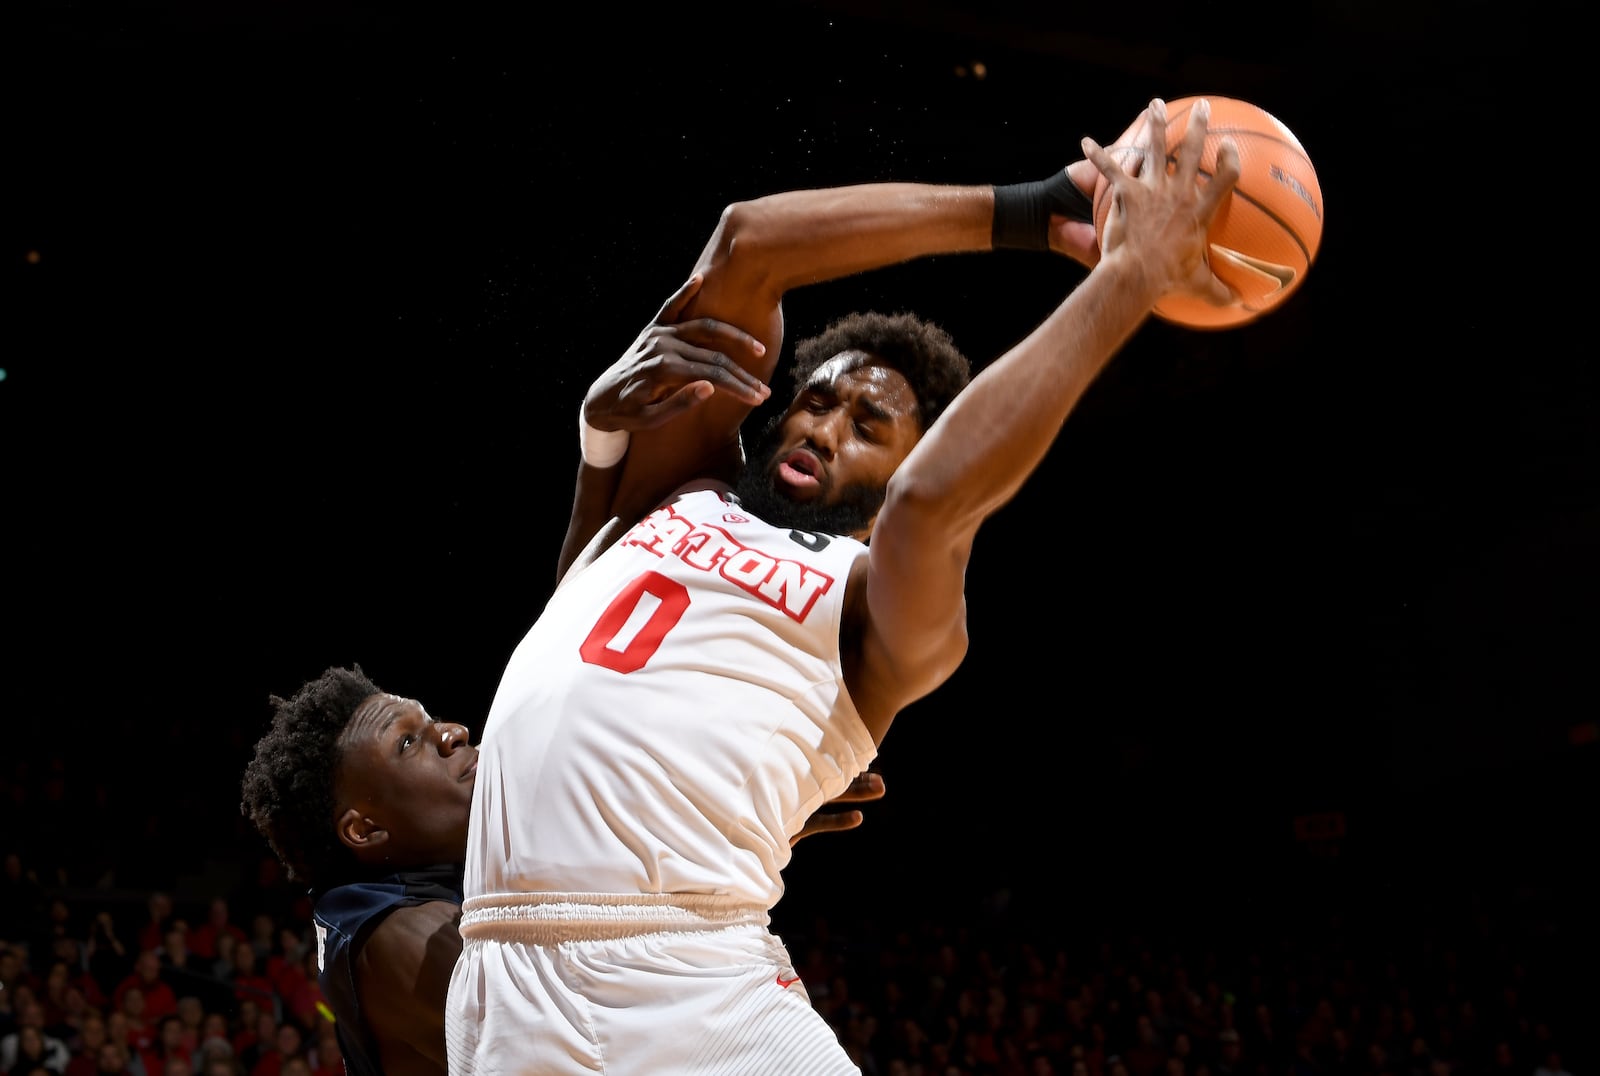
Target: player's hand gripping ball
{"x":1266,"y":232}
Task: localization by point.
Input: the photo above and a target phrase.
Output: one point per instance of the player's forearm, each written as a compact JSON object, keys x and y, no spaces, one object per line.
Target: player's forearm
{"x":767,"y":246}
{"x":591,"y":509}
{"x":811,"y":236}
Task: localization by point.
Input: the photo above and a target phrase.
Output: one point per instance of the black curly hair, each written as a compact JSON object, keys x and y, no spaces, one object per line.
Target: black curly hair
{"x":288,"y":784}
{"x":918,"y":349}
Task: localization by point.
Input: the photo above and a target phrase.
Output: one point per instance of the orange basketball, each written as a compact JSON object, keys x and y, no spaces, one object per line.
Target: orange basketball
{"x":1266,"y":232}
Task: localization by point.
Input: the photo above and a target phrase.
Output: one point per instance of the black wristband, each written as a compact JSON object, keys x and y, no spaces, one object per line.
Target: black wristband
{"x":1022,"y":211}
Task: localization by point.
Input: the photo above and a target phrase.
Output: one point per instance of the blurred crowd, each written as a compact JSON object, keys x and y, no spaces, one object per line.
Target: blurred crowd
{"x":156,"y":982}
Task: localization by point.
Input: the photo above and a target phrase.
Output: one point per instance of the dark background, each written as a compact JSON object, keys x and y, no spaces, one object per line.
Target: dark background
{"x":302,"y":300}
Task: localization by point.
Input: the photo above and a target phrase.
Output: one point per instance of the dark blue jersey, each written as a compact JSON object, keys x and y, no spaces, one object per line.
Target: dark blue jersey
{"x":345,"y":917}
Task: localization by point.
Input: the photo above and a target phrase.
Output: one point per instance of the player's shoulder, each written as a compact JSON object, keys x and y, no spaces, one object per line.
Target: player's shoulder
{"x":703,"y":485}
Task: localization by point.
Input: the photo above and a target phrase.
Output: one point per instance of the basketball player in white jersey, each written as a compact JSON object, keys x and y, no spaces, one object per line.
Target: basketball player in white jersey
{"x":730,"y":652}
{"x":365,"y":797}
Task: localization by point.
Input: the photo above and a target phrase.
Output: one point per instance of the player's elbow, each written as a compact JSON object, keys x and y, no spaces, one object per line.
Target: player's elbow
{"x":749,"y":243}
{"x":742,"y":229}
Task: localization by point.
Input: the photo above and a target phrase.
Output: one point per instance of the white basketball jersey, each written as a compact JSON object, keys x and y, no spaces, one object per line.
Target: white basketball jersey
{"x":673,"y":717}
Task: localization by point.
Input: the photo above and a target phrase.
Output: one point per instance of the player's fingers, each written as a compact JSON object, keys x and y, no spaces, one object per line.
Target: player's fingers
{"x":1108,"y":165}
{"x":717,"y":368}
{"x":1224,"y":176}
{"x":711,"y":333}
{"x":1155,"y":143}
{"x":713,"y":344}
{"x":828,"y":822}
{"x":676,"y":402}
{"x":1127,"y":152}
{"x":1194,"y":142}
{"x":678,"y":300}
{"x":835,"y":821}
{"x":867,"y":786}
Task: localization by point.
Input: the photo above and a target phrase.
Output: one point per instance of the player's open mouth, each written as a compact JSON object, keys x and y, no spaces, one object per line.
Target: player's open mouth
{"x":800,"y":470}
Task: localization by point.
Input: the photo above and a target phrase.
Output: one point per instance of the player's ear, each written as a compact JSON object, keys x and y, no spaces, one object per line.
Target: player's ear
{"x":360,"y":833}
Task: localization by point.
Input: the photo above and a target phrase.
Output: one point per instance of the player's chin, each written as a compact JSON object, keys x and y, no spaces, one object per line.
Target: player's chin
{"x":799,"y":496}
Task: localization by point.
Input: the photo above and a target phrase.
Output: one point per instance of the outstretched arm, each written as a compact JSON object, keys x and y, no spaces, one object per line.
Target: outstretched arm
{"x":763,"y":248}
{"x":979,"y":452}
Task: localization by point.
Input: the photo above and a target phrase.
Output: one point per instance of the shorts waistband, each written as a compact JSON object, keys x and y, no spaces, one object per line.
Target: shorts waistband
{"x":551,"y":918}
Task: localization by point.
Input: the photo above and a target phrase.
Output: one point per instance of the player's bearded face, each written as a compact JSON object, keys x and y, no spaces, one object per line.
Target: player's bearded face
{"x":841,"y":509}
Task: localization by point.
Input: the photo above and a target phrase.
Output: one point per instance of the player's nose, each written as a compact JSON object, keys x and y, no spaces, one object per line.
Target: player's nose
{"x":826,"y":432}
{"x":451,"y":736}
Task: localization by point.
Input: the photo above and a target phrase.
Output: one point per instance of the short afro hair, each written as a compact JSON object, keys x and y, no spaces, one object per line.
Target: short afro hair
{"x":920,"y":350}
{"x":288,"y":784}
